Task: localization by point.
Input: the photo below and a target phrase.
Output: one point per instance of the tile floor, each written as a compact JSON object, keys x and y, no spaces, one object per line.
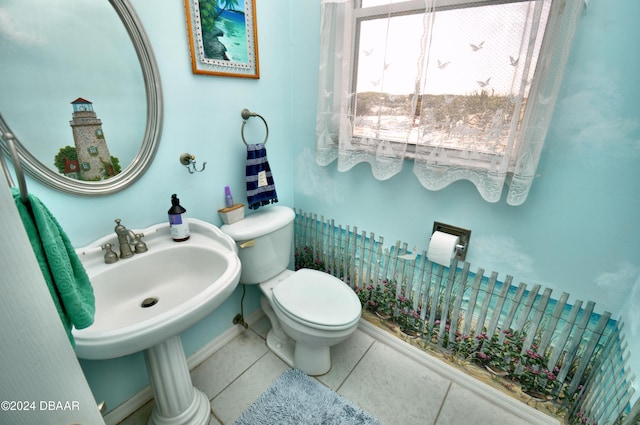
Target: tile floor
{"x":401,"y":391}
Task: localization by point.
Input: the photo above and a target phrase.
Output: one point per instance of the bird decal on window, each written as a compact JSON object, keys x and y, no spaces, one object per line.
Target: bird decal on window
{"x":484,"y":83}
{"x":476,"y":47}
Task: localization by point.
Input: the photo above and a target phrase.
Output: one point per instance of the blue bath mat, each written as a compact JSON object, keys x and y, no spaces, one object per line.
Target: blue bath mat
{"x":297,"y":399}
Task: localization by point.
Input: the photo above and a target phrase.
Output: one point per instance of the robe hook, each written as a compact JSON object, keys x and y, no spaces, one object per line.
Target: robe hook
{"x":189,"y":161}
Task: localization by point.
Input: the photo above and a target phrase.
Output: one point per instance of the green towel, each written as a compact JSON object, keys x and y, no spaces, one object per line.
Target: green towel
{"x":65,"y":275}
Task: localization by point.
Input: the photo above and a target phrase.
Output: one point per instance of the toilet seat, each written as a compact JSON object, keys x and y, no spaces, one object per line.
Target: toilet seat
{"x":317,"y":300}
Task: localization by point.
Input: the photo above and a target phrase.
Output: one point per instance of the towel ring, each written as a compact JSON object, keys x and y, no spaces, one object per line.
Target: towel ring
{"x":246,"y":114}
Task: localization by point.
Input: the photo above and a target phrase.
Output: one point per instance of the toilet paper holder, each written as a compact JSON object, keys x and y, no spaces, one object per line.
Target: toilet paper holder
{"x":463,"y":234}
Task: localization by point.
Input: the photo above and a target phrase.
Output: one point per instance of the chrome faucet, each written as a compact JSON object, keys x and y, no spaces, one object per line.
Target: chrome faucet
{"x":123,"y":240}
{"x":129,"y":241}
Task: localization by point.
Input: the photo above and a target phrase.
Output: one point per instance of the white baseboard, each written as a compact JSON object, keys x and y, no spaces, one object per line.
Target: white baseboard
{"x":141,"y":398}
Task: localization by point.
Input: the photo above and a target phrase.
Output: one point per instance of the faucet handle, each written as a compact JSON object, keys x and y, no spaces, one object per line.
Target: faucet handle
{"x":139,"y":246}
{"x":110,"y":257}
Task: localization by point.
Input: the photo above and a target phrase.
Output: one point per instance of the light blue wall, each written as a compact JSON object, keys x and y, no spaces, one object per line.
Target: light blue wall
{"x":578,"y":225}
{"x":577,"y":232}
{"x":201,"y":116}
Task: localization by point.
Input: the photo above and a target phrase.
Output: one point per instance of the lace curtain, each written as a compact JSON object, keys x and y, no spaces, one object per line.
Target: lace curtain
{"x":467,"y":93}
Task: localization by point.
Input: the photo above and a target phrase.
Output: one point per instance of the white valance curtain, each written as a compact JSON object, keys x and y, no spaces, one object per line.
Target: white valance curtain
{"x":472,"y":111}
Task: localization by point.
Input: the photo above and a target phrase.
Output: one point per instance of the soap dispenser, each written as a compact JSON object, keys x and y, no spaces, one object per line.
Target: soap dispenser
{"x":178,"y":223}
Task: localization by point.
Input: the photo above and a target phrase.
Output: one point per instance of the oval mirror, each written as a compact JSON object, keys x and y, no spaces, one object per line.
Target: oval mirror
{"x":80,"y":91}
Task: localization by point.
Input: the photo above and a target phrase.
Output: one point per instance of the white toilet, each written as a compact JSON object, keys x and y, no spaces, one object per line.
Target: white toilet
{"x":310,"y":311}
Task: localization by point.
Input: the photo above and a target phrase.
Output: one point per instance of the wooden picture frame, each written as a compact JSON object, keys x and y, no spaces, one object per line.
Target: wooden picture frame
{"x":223,"y":41}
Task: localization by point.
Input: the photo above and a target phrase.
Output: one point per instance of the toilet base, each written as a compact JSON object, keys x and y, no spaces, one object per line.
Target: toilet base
{"x":281,"y":348}
{"x":313,"y":361}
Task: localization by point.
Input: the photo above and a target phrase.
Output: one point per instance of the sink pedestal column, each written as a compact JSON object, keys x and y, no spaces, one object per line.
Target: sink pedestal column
{"x":177,"y":401}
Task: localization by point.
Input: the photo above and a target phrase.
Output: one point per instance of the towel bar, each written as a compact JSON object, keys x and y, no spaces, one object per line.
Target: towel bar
{"x":246,"y":114}
{"x":17,"y":166}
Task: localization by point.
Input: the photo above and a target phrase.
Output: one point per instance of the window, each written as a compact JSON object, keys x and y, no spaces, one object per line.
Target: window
{"x":464,"y":88}
{"x":472,"y":75}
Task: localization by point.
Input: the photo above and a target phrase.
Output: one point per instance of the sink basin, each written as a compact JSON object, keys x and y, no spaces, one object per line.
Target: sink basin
{"x":183,"y":282}
{"x":144,"y":302}
{"x":154,"y":289}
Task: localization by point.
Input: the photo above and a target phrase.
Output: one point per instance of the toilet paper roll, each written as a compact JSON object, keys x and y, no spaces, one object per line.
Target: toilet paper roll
{"x":442,"y":248}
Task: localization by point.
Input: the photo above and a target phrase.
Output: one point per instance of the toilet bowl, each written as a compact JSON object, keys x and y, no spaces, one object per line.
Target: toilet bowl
{"x":310,"y":311}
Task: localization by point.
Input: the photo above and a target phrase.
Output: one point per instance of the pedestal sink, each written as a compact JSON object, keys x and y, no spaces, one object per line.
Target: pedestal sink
{"x":144,"y":302}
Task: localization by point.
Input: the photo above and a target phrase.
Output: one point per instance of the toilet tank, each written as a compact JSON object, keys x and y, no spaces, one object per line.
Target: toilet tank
{"x":265,"y":242}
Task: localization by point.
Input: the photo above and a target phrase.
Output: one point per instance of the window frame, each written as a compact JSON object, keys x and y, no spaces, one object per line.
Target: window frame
{"x":485,"y":161}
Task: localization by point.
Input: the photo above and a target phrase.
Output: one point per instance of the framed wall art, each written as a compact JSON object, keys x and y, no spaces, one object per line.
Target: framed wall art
{"x":223,"y":37}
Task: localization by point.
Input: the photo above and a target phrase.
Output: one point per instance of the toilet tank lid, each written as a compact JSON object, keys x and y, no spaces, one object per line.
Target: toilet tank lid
{"x":260,"y":223}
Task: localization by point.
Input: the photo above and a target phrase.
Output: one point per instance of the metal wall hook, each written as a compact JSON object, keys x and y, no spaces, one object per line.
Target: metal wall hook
{"x":189,"y":161}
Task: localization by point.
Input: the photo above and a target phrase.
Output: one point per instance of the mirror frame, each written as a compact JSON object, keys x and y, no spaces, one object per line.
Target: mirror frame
{"x":153,"y":127}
